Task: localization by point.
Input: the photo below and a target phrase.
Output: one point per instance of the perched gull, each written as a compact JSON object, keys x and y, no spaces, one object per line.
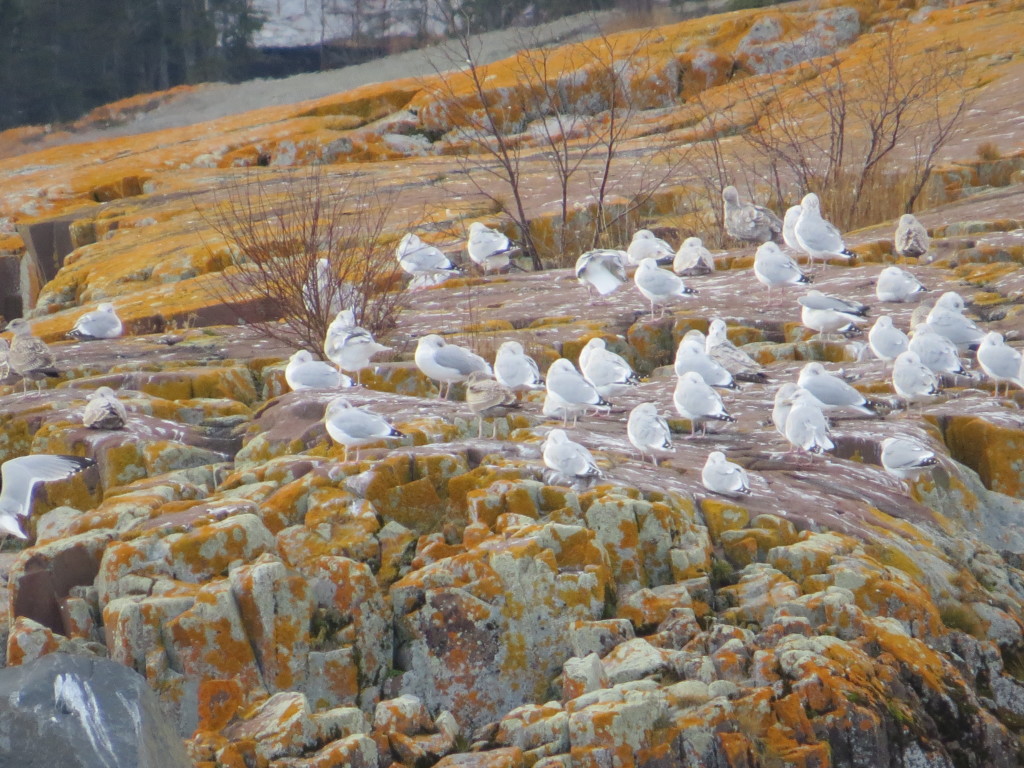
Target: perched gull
{"x":935,"y":351}
{"x":487,"y":397}
{"x":303,"y":372}
{"x":904,"y":458}
{"x":913,"y":380}
{"x":806,"y":428}
{"x":648,"y":431}
{"x":570,"y":460}
{"x":101,"y":323}
{"x":604,"y":269}
{"x":816,"y":236}
{"x":659,"y":285}
{"x":947,"y":318}
{"x":516,"y":369}
{"x":608,"y":372}
{"x":349,"y":346}
{"x":789,"y":229}
{"x":104,"y":411}
{"x":690,"y":356}
{"x":1000,"y":362}
{"x":19,"y":476}
{"x":426,"y":263}
{"x":488,"y":248}
{"x":825,"y":314}
{"x":447,"y":363}
{"x":723,"y":476}
{"x":645,"y":245}
{"x":568,"y":393}
{"x":354,"y":427}
{"x":748,"y":222}
{"x":895,"y":284}
{"x":782,"y":405}
{"x":737,"y":362}
{"x":912,"y":239}
{"x":29,"y":356}
{"x":774,"y":268}
{"x":693,"y":258}
{"x":832,"y":390}
{"x":322,"y":291}
{"x":698,"y":402}
{"x":886,"y":340}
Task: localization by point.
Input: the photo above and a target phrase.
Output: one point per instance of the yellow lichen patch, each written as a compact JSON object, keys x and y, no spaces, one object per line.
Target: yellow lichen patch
{"x":722,"y":516}
{"x":995,"y":452}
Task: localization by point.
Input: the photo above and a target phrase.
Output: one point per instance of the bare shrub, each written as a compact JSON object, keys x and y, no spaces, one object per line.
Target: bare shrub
{"x":988,"y":151}
{"x":303,"y":247}
{"x":569,"y":108}
{"x":825,"y":129}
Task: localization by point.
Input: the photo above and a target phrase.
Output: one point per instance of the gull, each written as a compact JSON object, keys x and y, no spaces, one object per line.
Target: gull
{"x":825,"y":314}
{"x":913,"y":380}
{"x":1000,"y":362}
{"x":349,"y":346}
{"x":323,"y":292}
{"x":783,"y":404}
{"x":905,"y":458}
{"x":947,"y":319}
{"x":101,"y":323}
{"x":645,"y":245}
{"x":19,"y":476}
{"x":895,"y":284}
{"x":355,"y":427}
{"x":658,"y":285}
{"x":604,"y":269}
{"x":608,"y":372}
{"x":693,"y":258}
{"x":886,"y":340}
{"x":698,"y":402}
{"x":5,"y":365}
{"x":488,"y":248}
{"x":516,"y":369}
{"x":447,"y":363}
{"x":568,"y":393}
{"x":303,"y":372}
{"x":648,"y":431}
{"x":426,"y":263}
{"x":806,"y":428}
{"x":737,"y":362}
{"x":912,"y":239}
{"x":487,"y":397}
{"x":773,"y":268}
{"x":29,"y":357}
{"x":104,"y":411}
{"x":935,"y":351}
{"x":570,"y":460}
{"x":832,"y":391}
{"x":748,"y":222}
{"x":816,"y":236}
{"x":690,"y":356}
{"x":789,"y":229}
{"x":723,"y":476}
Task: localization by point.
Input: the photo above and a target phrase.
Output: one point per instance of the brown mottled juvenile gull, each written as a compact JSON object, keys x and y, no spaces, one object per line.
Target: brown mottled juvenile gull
{"x":104,"y":411}
{"x":748,"y":222}
{"x":912,"y":239}
{"x":29,"y":357}
{"x":487,"y":397}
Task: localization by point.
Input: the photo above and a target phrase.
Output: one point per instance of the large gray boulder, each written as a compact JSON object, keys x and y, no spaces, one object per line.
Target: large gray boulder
{"x":83,"y":712}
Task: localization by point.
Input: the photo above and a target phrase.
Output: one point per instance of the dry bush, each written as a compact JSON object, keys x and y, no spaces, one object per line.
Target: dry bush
{"x":278,"y":229}
{"x":821,"y":128}
{"x":571,"y":109}
{"x":988,"y":151}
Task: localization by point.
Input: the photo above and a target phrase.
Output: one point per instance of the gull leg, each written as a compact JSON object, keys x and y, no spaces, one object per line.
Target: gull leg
{"x":479,"y":426}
